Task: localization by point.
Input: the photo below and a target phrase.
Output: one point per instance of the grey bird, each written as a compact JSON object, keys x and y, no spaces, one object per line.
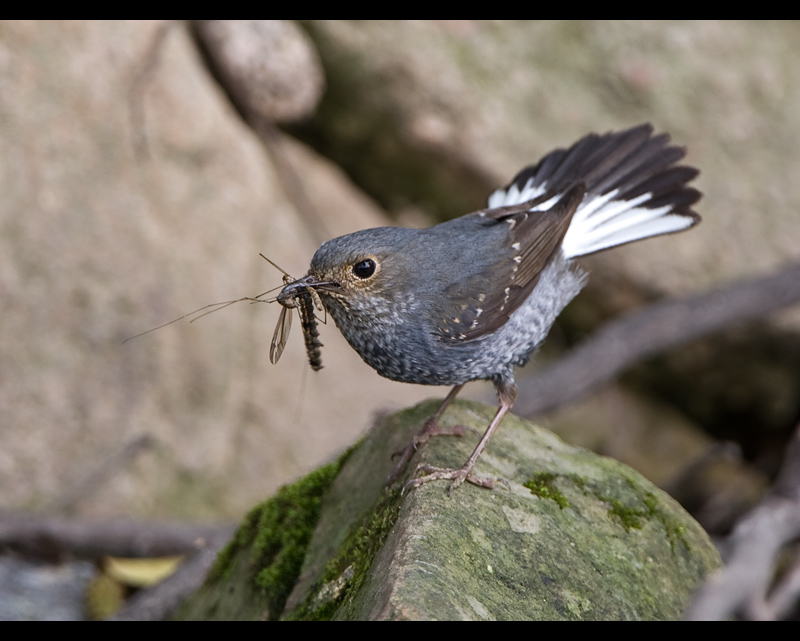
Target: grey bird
{"x":473,"y":297}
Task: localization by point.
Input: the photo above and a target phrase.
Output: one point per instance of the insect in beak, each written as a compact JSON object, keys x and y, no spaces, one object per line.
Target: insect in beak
{"x":303,"y":295}
{"x":300,"y":294}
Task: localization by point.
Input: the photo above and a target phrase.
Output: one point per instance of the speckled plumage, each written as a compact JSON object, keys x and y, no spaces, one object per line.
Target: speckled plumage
{"x":399,"y":330}
{"x":472,"y":298}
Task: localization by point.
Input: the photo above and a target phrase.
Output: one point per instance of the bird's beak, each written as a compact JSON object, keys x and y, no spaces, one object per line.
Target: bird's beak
{"x":306,"y":282}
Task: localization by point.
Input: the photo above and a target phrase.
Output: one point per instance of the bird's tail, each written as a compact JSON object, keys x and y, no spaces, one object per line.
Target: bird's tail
{"x":634,"y":190}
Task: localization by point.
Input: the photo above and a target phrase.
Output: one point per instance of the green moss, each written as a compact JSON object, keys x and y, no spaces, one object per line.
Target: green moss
{"x":677,"y":532}
{"x":244,"y":536}
{"x":543,"y":486}
{"x":277,"y":533}
{"x":345,"y":573}
{"x":630,"y":517}
{"x":633,"y":507}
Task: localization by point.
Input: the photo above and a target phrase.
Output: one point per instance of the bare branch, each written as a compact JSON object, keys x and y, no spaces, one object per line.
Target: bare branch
{"x":654,"y":329}
{"x":741,"y":588}
{"x":160,"y":601}
{"x":54,"y":536}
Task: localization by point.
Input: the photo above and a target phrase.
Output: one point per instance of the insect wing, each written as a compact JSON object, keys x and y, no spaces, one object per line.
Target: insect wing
{"x":281,"y":335}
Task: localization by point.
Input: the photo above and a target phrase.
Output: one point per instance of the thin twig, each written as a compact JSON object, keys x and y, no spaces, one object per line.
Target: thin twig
{"x":99,"y":476}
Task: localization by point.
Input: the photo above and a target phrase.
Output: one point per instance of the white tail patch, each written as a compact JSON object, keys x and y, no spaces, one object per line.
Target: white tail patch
{"x":615,"y":169}
{"x":616,"y":222}
{"x":515,"y":195}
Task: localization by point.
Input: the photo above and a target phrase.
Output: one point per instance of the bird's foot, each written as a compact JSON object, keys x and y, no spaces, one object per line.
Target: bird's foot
{"x":431,"y":428}
{"x":456,"y":477}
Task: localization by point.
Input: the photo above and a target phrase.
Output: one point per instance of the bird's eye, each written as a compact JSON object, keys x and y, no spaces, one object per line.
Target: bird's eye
{"x":365,"y":268}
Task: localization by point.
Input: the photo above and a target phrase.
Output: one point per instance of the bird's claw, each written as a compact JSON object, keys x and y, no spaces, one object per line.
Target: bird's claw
{"x":430,"y":429}
{"x":455,"y":476}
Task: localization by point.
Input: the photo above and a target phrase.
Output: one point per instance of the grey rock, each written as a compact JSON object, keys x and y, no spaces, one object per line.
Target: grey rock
{"x":33,"y":591}
{"x":132,"y":194}
{"x":593,"y":540}
{"x":270,"y":66}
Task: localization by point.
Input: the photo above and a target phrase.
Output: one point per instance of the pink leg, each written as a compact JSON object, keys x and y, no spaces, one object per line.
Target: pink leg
{"x":507,"y":393}
{"x":431,"y":428}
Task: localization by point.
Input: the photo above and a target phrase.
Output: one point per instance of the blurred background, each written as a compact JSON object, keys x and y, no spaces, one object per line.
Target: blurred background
{"x":144,"y":166}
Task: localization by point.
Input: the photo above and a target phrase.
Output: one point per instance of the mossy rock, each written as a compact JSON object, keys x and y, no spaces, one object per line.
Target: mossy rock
{"x":577,"y":536}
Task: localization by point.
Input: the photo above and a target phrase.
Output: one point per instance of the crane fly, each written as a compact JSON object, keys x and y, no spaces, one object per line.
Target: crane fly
{"x":293,"y":295}
{"x":306,"y":300}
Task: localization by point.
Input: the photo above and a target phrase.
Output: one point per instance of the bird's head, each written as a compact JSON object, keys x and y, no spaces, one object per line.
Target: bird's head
{"x":364,"y":271}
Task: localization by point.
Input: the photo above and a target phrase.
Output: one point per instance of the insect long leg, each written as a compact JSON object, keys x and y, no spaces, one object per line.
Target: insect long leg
{"x":318,"y":304}
{"x":305,"y":298}
{"x":280,"y":269}
{"x":217,"y":306}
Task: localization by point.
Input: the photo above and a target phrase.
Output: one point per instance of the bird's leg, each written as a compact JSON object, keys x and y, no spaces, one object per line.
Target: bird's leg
{"x":431,"y":428}
{"x":507,"y":393}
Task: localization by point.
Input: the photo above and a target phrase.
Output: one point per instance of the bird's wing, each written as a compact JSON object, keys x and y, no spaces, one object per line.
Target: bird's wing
{"x":483,"y":301}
